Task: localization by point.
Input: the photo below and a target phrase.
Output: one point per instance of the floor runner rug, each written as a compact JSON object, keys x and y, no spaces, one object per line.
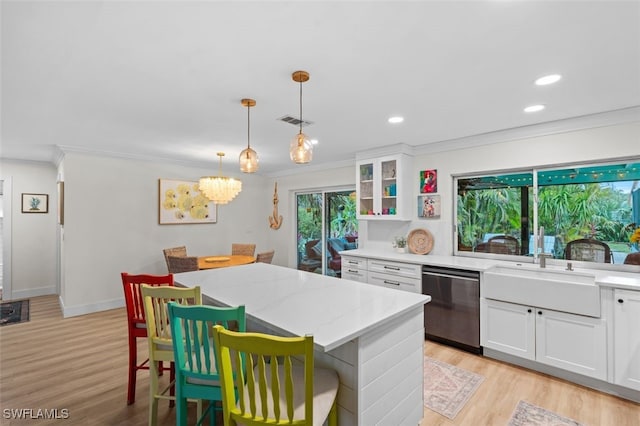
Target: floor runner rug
{"x":447,"y":388}
{"x":527,"y":414}
{"x":14,"y":312}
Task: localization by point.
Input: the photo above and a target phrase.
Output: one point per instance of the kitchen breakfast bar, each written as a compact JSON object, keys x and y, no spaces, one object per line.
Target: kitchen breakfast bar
{"x":372,"y":336}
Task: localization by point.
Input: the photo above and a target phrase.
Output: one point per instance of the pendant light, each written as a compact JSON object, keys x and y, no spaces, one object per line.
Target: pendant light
{"x":220,"y":189}
{"x":300,"y":150}
{"x":248,"y":157}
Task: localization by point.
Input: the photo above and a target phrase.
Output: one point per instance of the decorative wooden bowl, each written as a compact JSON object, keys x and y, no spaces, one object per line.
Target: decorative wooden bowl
{"x":420,"y":241}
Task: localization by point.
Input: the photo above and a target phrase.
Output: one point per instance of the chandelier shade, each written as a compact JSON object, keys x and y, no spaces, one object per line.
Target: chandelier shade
{"x":300,"y":149}
{"x":248,"y":157}
{"x":220,"y":189}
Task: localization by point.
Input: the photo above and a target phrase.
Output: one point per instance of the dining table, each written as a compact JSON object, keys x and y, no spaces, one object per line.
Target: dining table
{"x":224,"y":260}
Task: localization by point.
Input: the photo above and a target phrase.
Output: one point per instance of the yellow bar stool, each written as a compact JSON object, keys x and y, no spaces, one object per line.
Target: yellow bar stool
{"x":156,"y":301}
{"x":278,"y":384}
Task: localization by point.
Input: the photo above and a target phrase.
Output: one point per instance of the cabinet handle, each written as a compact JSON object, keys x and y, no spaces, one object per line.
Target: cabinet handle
{"x":529,"y":310}
{"x":351,"y":262}
{"x":539,"y":312}
{"x":391,"y":282}
{"x":352,"y":271}
{"x":393,"y":268}
{"x":620,"y":300}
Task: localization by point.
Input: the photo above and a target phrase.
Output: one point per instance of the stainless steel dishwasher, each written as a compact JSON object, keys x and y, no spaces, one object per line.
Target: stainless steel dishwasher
{"x":453,"y":315}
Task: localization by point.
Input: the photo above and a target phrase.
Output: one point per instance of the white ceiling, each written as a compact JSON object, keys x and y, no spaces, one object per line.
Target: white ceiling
{"x":164,"y":80}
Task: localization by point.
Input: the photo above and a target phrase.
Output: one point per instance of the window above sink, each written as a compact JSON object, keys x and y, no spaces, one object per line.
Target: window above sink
{"x":500,"y":214}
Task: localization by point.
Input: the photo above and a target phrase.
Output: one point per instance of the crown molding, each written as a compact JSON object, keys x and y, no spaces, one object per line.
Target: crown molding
{"x":604,"y":119}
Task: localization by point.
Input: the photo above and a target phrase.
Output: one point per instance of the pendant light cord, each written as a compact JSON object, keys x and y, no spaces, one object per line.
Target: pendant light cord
{"x":300,"y":105}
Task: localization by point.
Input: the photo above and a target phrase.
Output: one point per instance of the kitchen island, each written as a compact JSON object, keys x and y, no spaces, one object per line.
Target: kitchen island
{"x":372,"y":336}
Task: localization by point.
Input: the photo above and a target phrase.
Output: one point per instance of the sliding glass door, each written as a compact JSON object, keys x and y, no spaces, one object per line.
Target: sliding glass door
{"x":326,"y":224}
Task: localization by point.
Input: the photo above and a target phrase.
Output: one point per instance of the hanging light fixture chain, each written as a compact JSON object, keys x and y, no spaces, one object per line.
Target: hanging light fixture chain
{"x":301,"y":105}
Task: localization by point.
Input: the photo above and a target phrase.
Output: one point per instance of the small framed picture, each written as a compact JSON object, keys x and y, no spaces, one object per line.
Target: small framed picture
{"x":429,"y":206}
{"x":428,"y":181}
{"x":35,"y":203}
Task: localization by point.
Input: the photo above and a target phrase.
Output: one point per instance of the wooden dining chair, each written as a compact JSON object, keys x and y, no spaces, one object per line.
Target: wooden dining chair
{"x":180,"y":251}
{"x":136,"y":322}
{"x":588,"y":250}
{"x":156,"y":301}
{"x":265,"y":256}
{"x":503,"y":244}
{"x":193,"y":349}
{"x":177,"y":264}
{"x":243,"y":249}
{"x":278,"y":385}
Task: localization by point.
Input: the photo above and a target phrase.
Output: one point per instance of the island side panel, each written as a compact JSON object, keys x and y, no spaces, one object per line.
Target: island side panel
{"x":391,"y":371}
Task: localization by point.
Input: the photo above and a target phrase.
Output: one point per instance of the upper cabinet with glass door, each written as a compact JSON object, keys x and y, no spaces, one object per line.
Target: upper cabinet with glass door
{"x":384,"y":188}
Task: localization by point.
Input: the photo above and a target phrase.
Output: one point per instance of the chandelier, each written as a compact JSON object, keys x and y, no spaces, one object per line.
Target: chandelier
{"x":300,"y":149}
{"x":248,"y":157}
{"x":220,"y":189}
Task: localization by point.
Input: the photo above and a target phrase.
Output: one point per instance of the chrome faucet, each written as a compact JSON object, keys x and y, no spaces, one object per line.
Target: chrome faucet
{"x":543,"y":259}
{"x":542,"y":256}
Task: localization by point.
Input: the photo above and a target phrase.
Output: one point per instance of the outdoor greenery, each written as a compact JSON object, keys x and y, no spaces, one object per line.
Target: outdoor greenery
{"x":568,"y":212}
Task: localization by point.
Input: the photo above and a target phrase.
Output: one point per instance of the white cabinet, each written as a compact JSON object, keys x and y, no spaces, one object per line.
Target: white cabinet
{"x":354,"y":268}
{"x":626,"y":347}
{"x":390,"y":274}
{"x":508,"y":328}
{"x":398,"y":275}
{"x":572,"y":342}
{"x":384,"y":188}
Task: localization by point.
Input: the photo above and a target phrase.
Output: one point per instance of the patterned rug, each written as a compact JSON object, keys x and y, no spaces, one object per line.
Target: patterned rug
{"x":447,"y":388}
{"x":527,"y":414}
{"x":14,"y":312}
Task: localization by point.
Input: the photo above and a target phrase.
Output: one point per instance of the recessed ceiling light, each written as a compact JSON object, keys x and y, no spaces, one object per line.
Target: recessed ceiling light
{"x":314,"y":141}
{"x":534,"y":108}
{"x":548,"y":79}
{"x":396,"y":120}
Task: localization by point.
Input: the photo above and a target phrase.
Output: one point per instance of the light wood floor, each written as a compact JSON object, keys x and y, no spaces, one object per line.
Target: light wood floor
{"x":80,"y":364}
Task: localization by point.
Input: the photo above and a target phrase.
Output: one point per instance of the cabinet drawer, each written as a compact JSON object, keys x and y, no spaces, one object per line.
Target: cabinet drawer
{"x":413,"y":285}
{"x":354,"y":274}
{"x":410,"y":270}
{"x":354,"y":262}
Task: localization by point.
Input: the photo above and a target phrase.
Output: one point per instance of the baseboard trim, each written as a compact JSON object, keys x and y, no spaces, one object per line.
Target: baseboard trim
{"x":74,"y":311}
{"x":590,"y":382}
{"x":32,"y":292}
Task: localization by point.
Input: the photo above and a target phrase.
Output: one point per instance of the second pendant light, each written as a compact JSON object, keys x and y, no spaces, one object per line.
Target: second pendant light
{"x":248,"y":157}
{"x":300,"y":149}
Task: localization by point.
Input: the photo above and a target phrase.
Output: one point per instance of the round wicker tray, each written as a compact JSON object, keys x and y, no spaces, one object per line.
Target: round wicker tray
{"x":420,"y":241}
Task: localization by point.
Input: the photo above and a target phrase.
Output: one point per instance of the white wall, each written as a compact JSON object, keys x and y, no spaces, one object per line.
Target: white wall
{"x":33,"y":245}
{"x":571,"y":147}
{"x":111,"y":211}
{"x":111,"y":225}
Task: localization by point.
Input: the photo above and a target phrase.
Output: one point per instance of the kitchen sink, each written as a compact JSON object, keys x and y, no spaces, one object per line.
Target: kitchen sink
{"x":550,"y":288}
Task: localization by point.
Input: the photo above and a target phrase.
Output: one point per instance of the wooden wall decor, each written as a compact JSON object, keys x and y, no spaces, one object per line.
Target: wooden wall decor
{"x":276,"y":220}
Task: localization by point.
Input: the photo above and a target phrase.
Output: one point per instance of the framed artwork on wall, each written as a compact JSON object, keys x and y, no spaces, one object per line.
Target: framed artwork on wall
{"x":429,"y":206}
{"x":428,"y":181}
{"x":181,"y":202}
{"x":35,"y":203}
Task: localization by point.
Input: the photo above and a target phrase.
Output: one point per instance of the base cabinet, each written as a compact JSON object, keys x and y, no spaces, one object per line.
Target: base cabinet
{"x":396,"y":275}
{"x":572,"y":342}
{"x":626,"y":347}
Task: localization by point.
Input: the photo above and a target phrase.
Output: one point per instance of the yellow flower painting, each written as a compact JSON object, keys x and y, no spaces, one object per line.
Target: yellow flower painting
{"x":182,"y":202}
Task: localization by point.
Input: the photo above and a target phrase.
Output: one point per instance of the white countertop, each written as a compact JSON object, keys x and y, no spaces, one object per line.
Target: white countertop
{"x":603,"y":278}
{"x":296,"y":303}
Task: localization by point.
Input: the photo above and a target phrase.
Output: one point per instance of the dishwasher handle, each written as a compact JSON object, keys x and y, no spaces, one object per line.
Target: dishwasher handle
{"x":448,"y":273}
